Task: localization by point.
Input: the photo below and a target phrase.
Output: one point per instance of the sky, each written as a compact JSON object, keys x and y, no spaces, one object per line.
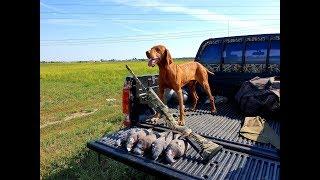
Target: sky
{"x":124,"y":29}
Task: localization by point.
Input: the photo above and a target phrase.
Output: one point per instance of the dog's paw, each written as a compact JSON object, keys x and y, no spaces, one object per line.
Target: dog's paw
{"x":181,"y":123}
{"x":154,"y":120}
{"x":214,"y":112}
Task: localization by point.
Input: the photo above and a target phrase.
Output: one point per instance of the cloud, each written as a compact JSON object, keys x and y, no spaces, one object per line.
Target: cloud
{"x":129,"y":27}
{"x":70,"y":22}
{"x":51,"y":7}
{"x":201,"y":14}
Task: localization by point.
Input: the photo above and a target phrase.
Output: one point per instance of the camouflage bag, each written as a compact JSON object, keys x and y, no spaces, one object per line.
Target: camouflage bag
{"x":259,"y":96}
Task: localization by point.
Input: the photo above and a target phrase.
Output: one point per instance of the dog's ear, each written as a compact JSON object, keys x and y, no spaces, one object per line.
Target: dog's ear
{"x":167,"y":56}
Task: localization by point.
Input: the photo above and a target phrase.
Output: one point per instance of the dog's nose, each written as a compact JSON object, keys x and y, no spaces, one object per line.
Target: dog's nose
{"x":147,"y":53}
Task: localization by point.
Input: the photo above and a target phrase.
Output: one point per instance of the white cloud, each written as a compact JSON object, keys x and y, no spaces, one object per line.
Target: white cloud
{"x":201,"y":14}
{"x":70,"y":22}
{"x":51,"y":7}
{"x":129,"y":27}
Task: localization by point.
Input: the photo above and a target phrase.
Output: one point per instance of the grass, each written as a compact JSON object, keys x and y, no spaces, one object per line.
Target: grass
{"x":69,"y":88}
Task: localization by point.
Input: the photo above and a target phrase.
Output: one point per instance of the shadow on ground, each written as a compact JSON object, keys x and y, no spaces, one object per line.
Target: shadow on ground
{"x":86,"y":166}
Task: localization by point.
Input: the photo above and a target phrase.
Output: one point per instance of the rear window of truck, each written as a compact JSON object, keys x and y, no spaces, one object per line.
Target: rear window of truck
{"x":274,"y":57}
{"x":256,"y":52}
{"x":233,"y":53}
{"x":211,"y":54}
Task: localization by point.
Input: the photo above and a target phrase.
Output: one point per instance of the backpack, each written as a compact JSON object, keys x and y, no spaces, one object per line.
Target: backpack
{"x":259,"y":96}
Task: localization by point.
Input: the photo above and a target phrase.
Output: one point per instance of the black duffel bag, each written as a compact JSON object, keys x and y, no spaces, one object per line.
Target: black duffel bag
{"x":259,"y":96}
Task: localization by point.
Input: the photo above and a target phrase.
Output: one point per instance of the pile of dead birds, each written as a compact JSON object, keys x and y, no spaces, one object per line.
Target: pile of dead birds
{"x":144,"y":141}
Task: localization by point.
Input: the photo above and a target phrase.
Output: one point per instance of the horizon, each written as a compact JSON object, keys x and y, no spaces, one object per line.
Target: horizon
{"x":111,"y":60}
{"x":123,"y":30}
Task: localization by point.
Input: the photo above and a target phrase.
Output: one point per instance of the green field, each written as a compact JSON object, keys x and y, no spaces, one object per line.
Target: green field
{"x":80,"y":102}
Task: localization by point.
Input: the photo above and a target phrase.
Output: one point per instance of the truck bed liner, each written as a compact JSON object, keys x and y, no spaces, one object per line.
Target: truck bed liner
{"x":225,"y":126}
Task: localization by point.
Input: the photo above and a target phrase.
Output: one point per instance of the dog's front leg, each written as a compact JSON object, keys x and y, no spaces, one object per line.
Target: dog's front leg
{"x":181,"y":107}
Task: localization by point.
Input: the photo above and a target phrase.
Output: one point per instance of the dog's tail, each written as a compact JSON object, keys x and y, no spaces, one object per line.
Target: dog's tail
{"x":206,"y":69}
{"x":209,"y":72}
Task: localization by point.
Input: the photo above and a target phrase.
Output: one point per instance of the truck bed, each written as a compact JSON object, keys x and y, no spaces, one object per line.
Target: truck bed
{"x":224,"y":127}
{"x":239,"y":159}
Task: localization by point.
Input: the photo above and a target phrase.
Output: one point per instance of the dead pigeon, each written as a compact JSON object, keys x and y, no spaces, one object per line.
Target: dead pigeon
{"x":134,"y":137}
{"x":161,"y":144}
{"x":124,"y":136}
{"x":144,"y":143}
{"x":175,"y":149}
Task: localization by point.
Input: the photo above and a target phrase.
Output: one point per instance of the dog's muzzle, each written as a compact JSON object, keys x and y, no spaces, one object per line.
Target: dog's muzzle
{"x":152,"y":62}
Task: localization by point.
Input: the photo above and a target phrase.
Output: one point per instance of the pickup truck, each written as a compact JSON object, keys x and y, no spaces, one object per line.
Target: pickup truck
{"x":233,"y":60}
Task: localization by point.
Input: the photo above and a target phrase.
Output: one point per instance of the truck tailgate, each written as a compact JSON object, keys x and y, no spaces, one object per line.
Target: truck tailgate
{"x":227,"y":164}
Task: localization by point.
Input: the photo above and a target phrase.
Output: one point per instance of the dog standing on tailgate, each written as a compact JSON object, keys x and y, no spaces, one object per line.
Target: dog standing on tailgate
{"x":175,"y":76}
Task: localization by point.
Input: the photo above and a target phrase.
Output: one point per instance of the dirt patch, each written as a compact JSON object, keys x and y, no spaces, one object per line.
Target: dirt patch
{"x":72,"y":116}
{"x":111,"y":100}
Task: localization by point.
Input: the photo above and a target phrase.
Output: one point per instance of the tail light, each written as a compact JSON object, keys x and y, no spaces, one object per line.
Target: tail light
{"x":125,"y":100}
{"x":126,"y":103}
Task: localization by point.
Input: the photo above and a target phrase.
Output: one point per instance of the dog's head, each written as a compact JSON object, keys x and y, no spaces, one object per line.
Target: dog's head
{"x":159,"y":55}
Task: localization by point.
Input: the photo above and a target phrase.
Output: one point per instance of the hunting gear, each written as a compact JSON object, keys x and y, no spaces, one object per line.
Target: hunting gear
{"x":259,"y":96}
{"x":257,"y":129}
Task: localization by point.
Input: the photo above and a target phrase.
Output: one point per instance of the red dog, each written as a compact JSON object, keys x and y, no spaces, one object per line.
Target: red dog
{"x":175,"y":76}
